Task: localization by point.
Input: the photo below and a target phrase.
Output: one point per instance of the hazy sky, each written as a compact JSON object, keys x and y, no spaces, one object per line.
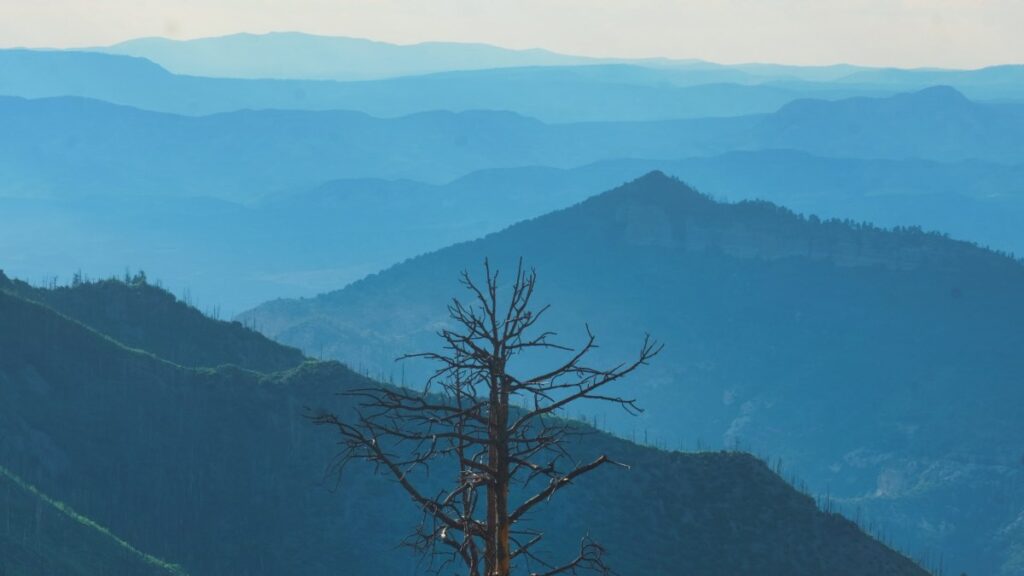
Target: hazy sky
{"x":950,"y":33}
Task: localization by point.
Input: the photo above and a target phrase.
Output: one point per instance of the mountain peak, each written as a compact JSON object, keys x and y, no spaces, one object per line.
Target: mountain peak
{"x":658,"y":187}
{"x":655,"y":176}
{"x":659,"y":210}
{"x":754,"y":301}
{"x":658,"y":180}
{"x":941,"y":94}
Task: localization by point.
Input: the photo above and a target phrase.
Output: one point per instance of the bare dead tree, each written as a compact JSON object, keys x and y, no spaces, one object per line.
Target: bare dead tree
{"x":498,"y":429}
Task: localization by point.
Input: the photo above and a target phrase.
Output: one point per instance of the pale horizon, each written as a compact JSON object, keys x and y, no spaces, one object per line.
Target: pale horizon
{"x":958,"y":34}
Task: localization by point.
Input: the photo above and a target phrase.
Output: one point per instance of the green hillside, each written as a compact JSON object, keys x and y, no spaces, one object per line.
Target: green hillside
{"x":148,"y":318}
{"x":218,"y":469}
{"x":40,"y":536}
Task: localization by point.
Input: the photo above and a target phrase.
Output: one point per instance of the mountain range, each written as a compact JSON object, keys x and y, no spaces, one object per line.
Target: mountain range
{"x":79,"y":146}
{"x":608,"y":92}
{"x":307,"y":56}
{"x":290,"y":55}
{"x":835,"y":283}
{"x":219,"y":468}
{"x":783,"y":333}
{"x":310,"y":240}
{"x":556,"y":94}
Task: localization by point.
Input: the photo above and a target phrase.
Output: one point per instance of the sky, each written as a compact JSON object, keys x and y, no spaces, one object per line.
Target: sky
{"x":904,"y":33}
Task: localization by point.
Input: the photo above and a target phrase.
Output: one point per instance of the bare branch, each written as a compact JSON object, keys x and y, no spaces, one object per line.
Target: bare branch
{"x":557,"y":484}
{"x":591,"y":557}
{"x":494,"y":429}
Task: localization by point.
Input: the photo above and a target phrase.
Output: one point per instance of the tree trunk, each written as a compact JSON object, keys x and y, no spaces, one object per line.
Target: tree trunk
{"x":499,"y":553}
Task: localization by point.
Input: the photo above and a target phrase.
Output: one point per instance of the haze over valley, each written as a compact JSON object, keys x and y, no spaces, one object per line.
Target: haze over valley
{"x":795,"y":293}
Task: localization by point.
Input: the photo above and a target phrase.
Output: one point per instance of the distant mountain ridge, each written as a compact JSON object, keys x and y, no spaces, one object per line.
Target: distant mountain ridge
{"x":999,"y":82}
{"x":597,"y":92}
{"x":298,"y":55}
{"x":72,"y":145}
{"x":882,"y":365}
{"x":937,"y":123}
{"x":625,"y":91}
{"x":317,"y":229}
